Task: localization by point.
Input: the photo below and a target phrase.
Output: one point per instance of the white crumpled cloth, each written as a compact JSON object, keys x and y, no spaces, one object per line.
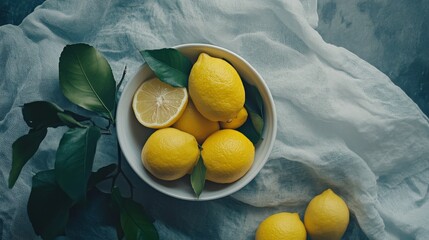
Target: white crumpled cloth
{"x":342,"y":124}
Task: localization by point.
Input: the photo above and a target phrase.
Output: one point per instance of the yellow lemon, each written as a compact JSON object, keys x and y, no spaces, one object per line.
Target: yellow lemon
{"x":326,"y":216}
{"x":282,"y":225}
{"x":227,"y":155}
{"x":169,"y":153}
{"x":237,"y":121}
{"x":216,"y":88}
{"x":196,"y":124}
{"x":157,"y":104}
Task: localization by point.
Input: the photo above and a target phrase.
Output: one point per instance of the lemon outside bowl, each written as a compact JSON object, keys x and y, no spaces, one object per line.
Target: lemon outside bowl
{"x":132,"y":135}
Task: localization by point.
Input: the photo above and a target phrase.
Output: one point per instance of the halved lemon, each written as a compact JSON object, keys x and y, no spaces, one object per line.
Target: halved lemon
{"x":157,"y":104}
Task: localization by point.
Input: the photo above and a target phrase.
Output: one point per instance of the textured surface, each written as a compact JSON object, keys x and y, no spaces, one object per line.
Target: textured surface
{"x":391,"y":35}
{"x":342,"y":124}
{"x":12,"y":12}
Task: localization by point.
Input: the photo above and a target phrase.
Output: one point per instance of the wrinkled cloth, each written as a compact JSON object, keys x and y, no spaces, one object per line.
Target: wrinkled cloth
{"x":342,"y":124}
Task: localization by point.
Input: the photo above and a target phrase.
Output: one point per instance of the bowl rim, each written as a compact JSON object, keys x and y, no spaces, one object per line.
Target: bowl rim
{"x":250,"y":175}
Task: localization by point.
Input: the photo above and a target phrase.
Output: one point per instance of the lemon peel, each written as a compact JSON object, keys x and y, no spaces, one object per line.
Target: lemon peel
{"x":216,"y":88}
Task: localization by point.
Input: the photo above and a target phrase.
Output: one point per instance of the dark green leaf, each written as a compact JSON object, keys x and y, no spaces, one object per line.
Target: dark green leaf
{"x":119,"y":231}
{"x":94,"y":218}
{"x":198,"y":177}
{"x":254,"y":124}
{"x":69,"y":120}
{"x":136,"y":224}
{"x":22,"y":150}
{"x":74,"y":160}
{"x":169,"y":65}
{"x":122,"y":79}
{"x":100,"y":175}
{"x":116,"y":213}
{"x":86,"y":79}
{"x":77,"y":117}
{"x":253,"y":99}
{"x":257,"y":122}
{"x":41,"y":114}
{"x":48,"y":206}
{"x":249,"y":131}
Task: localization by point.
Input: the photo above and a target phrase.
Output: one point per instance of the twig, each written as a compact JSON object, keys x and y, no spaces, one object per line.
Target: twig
{"x":120,"y":171}
{"x":122,"y":78}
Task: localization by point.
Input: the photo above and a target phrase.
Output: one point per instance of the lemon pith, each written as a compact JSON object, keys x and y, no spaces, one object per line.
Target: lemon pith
{"x":157,"y":104}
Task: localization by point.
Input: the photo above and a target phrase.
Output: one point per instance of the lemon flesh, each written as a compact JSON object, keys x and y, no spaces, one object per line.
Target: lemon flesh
{"x":169,"y":153}
{"x":227,"y":155}
{"x":196,"y":124}
{"x":216,"y":88}
{"x":157,"y":104}
{"x":281,"y":226}
{"x":326,"y":216}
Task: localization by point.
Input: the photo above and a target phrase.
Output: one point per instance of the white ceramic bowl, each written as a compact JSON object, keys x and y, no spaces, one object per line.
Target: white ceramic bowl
{"x":132,"y":135}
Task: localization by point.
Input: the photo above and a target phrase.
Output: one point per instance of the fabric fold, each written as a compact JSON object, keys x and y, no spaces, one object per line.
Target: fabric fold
{"x":342,"y":124}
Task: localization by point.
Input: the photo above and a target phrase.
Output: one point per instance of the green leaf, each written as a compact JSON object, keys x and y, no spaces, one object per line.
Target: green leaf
{"x":22,"y":150}
{"x":86,"y":79}
{"x":116,"y":212}
{"x":254,"y":124}
{"x":48,"y":206}
{"x":254,"y":105}
{"x":94,"y":219}
{"x":253,"y":99}
{"x":257,"y":122}
{"x":69,"y":120}
{"x":100,"y":175}
{"x":135,"y":223}
{"x":74,"y":160}
{"x":249,"y":131}
{"x":198,"y":177}
{"x":119,"y":231}
{"x":77,"y":117}
{"x":43,"y":114}
{"x":122,"y":79}
{"x":169,"y":65}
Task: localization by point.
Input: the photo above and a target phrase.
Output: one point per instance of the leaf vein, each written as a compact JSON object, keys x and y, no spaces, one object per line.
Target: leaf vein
{"x":92,"y":87}
{"x":172,"y":68}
